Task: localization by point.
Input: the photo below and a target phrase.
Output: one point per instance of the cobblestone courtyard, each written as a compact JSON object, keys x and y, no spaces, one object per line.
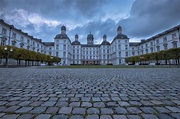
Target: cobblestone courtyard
{"x":43,"y":93}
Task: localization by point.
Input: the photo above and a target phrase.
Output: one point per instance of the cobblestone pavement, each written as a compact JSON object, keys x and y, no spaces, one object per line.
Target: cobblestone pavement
{"x":126,"y":93}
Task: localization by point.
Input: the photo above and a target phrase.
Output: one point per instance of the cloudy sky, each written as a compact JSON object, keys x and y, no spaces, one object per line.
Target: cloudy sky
{"x":140,"y":19}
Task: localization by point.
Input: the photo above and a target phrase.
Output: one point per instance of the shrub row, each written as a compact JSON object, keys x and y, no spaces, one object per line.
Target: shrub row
{"x":26,"y":55}
{"x":173,"y":53}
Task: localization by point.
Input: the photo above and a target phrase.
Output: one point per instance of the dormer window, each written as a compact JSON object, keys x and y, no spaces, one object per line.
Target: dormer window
{"x":165,"y":39}
{"x":174,"y":36}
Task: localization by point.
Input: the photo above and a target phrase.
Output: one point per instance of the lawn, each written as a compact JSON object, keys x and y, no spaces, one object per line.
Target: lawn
{"x":115,"y":66}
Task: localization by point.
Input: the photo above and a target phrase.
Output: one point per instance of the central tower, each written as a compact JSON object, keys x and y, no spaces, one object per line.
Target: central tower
{"x":90,"y":39}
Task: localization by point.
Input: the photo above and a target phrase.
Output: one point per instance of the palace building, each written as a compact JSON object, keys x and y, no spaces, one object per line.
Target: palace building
{"x":73,"y":52}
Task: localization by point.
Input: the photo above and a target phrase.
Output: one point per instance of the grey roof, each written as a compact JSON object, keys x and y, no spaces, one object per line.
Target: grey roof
{"x":63,"y":28}
{"x":61,"y":36}
{"x":134,"y":43}
{"x":105,"y":43}
{"x":121,"y":36}
{"x":90,"y":36}
{"x":90,"y":45}
{"x":76,"y":43}
{"x":119,"y":28}
{"x":49,"y":43}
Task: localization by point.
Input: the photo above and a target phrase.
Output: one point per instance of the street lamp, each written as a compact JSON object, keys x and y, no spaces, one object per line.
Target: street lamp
{"x":7,"y":55}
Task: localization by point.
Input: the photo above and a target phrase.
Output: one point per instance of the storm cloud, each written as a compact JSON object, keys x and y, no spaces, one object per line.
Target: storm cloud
{"x":44,"y":18}
{"x":149,"y":17}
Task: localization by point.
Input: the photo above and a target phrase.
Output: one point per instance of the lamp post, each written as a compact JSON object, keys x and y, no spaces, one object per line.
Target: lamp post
{"x":142,"y":58}
{"x":7,"y":55}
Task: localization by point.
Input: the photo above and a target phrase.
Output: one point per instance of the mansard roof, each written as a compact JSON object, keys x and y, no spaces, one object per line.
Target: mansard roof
{"x":90,"y":45}
{"x":49,"y":43}
{"x":61,"y":36}
{"x":121,"y":36}
{"x":105,"y":43}
{"x":76,"y":43}
{"x":133,"y":43}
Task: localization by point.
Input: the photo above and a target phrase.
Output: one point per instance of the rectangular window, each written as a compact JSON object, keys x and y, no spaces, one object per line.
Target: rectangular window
{"x":157,"y":41}
{"x":28,"y":41}
{"x":164,"y":39}
{"x":175,"y":44}
{"x":151,"y":43}
{"x":146,"y":45}
{"x":158,"y":48}
{"x":57,"y":47}
{"x":57,"y":53}
{"x":64,"y":54}
{"x":64,"y":47}
{"x":4,"y":31}
{"x":126,"y":54}
{"x":151,"y":49}
{"x":174,"y":36}
{"x":14,"y":36}
{"x":22,"y":39}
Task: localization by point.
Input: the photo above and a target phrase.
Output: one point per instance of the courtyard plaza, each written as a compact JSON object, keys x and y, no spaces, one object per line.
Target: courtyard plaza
{"x":89,"y":93}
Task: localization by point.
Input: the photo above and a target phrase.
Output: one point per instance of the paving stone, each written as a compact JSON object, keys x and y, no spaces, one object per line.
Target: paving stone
{"x":26,"y":116}
{"x":173,"y":109}
{"x":52,"y":110}
{"x":24,"y":103}
{"x":85,"y":99}
{"x":120,"y":110}
{"x":62,"y":104}
{"x":149,"y":116}
{"x":119,"y":117}
{"x":135,"y":103}
{"x":93,"y":111}
{"x":86,"y":104}
{"x":49,"y":103}
{"x":164,"y":116}
{"x":10,"y":116}
{"x":176,"y":115}
{"x":65,"y":110}
{"x":43,"y":116}
{"x":79,"y":111}
{"x":76,"y":117}
{"x":106,"y":111}
{"x":156,"y":102}
{"x":105,"y":117}
{"x":2,"y":114}
{"x":24,"y":109}
{"x":99,"y":104}
{"x":11,"y":108}
{"x":162,"y":109}
{"x":126,"y":92}
{"x":36,"y":103}
{"x":60,"y":117}
{"x":123,"y":104}
{"x":115,"y":98}
{"x":133,"y":117}
{"x":74,"y":99}
{"x":38,"y":110}
{"x":96,"y":99}
{"x":74,"y":104}
{"x":92,"y":117}
{"x":148,"y":110}
{"x":134,"y":110}
{"x":112,"y":104}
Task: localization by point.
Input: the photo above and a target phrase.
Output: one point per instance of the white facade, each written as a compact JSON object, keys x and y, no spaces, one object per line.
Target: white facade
{"x":90,"y":53}
{"x":163,"y":41}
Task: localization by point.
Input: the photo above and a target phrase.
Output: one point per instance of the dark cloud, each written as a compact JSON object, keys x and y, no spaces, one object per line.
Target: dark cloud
{"x":56,"y":8}
{"x":149,"y":17}
{"x":97,"y":28}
